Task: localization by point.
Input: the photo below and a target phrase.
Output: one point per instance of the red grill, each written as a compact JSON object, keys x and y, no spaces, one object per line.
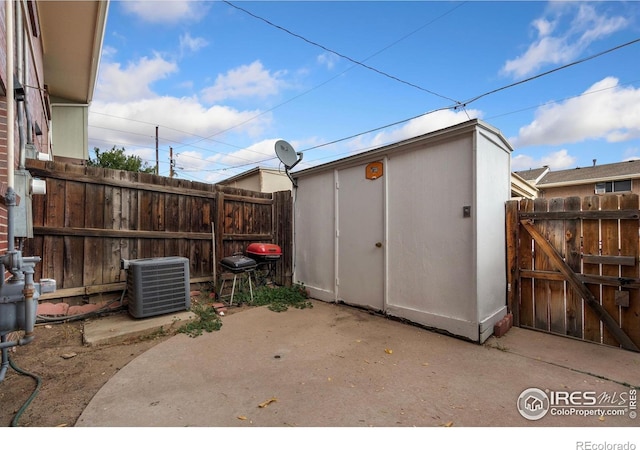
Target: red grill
{"x":264,"y":253}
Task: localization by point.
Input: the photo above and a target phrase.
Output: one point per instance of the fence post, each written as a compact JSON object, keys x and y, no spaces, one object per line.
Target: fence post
{"x":512,"y":225}
{"x":219,"y":229}
{"x":283,"y":235}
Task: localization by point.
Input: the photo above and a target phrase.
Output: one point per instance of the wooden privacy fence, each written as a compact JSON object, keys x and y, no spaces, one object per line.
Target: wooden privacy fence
{"x":573,"y":267}
{"x":91,"y":218}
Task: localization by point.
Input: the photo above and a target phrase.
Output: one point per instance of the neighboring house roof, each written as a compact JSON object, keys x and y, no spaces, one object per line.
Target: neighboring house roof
{"x":520,"y":187}
{"x":596,"y":173}
{"x":533,"y":175}
{"x":250,"y":173}
{"x":72,"y":34}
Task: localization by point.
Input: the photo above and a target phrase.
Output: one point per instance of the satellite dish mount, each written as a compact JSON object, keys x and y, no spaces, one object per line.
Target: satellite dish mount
{"x":288,"y":156}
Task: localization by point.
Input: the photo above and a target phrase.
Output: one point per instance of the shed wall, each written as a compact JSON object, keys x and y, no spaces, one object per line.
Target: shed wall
{"x":430,"y":268}
{"x":314,"y":225}
{"x":493,"y":189}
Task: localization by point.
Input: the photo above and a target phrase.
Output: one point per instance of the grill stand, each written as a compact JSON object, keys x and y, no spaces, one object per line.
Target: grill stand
{"x":233,"y":286}
{"x":267,"y":272}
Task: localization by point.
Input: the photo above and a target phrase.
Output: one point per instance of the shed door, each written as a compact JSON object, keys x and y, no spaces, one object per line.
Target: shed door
{"x":361,"y":246}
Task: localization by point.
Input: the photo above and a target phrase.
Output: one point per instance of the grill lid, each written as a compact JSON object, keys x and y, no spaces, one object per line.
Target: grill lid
{"x":261,"y":249}
{"x":238,"y":263}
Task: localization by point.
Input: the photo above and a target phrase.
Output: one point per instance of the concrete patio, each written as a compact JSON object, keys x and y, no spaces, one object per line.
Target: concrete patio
{"x":337,"y":366}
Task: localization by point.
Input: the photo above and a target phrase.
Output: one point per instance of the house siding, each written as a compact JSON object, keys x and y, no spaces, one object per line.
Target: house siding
{"x":260,"y":180}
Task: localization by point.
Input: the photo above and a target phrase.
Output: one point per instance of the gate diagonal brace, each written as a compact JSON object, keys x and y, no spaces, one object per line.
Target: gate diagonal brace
{"x":573,"y":280}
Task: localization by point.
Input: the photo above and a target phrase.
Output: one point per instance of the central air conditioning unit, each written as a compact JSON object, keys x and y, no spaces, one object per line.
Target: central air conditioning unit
{"x":157,"y":286}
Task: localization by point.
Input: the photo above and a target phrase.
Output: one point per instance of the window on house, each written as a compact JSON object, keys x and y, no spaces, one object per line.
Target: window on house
{"x":613,"y":186}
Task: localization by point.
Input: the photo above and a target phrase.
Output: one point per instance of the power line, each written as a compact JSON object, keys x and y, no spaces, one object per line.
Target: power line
{"x":163,"y":126}
{"x":552,"y":102}
{"x":455,"y":106}
{"x":360,"y":63}
{"x":476,"y":98}
{"x":327,"y":81}
{"x":201,"y":138}
{"x":177,"y":142}
{"x":548,"y":72}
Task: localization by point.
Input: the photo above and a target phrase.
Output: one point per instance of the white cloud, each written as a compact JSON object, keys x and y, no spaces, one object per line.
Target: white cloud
{"x":328,"y":60}
{"x":126,"y":111}
{"x":592,"y":25}
{"x":108,"y":52}
{"x":255,"y":154}
{"x":604,"y":111}
{"x":631,"y":154}
{"x":146,"y":154}
{"x":543,"y":26}
{"x":558,"y":160}
{"x":132,"y":82}
{"x":251,"y":80}
{"x":166,"y":11}
{"x":180,"y":120}
{"x":587,"y":25}
{"x":421,"y":125}
{"x":259,"y":154}
{"x":190,"y":160}
{"x":190,"y":44}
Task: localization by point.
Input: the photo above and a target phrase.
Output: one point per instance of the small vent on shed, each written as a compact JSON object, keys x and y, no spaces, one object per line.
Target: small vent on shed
{"x":157,"y":285}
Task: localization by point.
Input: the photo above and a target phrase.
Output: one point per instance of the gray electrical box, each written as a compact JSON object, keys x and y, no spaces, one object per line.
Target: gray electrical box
{"x":23,"y":213}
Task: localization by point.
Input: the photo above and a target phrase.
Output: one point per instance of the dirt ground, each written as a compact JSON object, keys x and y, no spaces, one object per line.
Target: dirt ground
{"x":70,"y":374}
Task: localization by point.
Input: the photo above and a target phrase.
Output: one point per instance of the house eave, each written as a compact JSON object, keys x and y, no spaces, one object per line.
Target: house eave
{"x":72,"y":37}
{"x":522,"y":187}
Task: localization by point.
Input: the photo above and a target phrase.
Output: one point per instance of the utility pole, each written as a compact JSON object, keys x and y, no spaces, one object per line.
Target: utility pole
{"x":172,"y":163}
{"x":157,"y":159}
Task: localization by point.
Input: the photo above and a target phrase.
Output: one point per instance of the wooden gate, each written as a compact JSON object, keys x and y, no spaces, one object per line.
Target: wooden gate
{"x":573,"y":267}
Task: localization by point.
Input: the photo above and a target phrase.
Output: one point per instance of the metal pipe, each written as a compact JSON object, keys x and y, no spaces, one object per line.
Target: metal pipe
{"x":9,"y":344}
{"x":30,"y":303}
{"x":4,"y":364}
{"x":10,"y":97}
{"x":20,"y":106}
{"x":10,"y":195}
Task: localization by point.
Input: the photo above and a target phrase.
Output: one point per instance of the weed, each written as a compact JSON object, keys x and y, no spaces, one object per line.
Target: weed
{"x":501,"y":347}
{"x":160,"y":332}
{"x":207,"y":320}
{"x":278,"y":298}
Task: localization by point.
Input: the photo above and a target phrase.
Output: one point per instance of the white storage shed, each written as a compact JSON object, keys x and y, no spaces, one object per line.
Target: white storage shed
{"x":414,"y":229}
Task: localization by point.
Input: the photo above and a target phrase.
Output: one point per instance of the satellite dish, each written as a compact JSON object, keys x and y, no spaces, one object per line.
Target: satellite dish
{"x":288,"y":156}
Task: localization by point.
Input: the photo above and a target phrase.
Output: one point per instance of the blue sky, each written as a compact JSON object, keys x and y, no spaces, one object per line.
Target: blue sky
{"x":223,"y":81}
